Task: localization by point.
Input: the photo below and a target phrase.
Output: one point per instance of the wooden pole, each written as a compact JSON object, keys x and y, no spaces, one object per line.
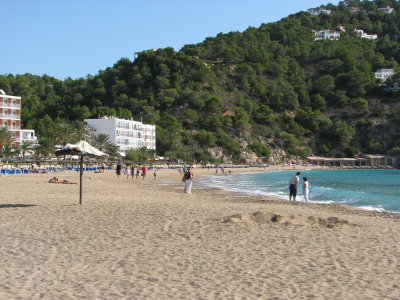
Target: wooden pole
{"x":80,"y":180}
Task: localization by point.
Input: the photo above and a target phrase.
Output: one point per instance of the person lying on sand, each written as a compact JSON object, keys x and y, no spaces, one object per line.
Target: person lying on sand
{"x":54,"y":180}
{"x":58,"y":180}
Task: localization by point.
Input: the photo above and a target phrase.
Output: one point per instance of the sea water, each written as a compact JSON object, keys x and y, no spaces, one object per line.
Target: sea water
{"x":368,"y":189}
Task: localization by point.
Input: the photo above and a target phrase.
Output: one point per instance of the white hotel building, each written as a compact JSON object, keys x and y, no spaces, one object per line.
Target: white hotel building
{"x":127,"y":134}
{"x":10,"y":117}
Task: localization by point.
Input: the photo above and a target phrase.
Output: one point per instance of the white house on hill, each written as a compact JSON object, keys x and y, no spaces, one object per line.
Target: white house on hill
{"x":327,"y":35}
{"x":319,"y":11}
{"x":384,"y":74}
{"x":365,"y":35}
{"x":386,"y":10}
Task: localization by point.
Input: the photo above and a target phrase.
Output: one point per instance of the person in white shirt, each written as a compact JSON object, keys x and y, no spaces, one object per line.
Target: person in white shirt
{"x":305,"y":189}
{"x":127,"y":171}
{"x":294,"y":181}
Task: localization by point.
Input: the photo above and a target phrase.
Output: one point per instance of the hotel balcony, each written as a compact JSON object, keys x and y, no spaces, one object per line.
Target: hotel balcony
{"x":10,"y":116}
{"x":12,"y":128}
{"x":10,"y":105}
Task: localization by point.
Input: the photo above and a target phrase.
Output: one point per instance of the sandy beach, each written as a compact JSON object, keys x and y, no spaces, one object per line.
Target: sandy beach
{"x":146,"y":239}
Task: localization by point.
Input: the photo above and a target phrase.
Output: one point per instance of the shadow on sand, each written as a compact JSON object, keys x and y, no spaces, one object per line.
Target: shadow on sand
{"x":15,"y":205}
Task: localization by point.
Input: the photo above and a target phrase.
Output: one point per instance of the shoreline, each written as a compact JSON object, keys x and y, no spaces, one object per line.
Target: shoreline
{"x":268,"y":198}
{"x":146,"y":239}
{"x":277,"y":169}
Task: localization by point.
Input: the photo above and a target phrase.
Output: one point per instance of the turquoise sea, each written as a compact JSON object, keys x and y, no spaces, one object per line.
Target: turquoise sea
{"x":368,"y":189}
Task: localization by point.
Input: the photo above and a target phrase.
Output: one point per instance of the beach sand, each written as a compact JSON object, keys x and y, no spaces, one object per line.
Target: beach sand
{"x":149,"y":240}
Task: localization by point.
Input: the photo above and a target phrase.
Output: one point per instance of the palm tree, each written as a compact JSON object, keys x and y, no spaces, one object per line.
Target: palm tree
{"x":81,"y":130}
{"x":16,"y":150}
{"x":64,"y":134}
{"x":113,"y":151}
{"x":45,"y":147}
{"x":24,"y":148}
{"x":6,"y":139}
{"x":102,"y":142}
{"x":8,"y":151}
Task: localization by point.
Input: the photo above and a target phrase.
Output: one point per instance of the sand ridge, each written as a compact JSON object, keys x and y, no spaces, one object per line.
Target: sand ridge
{"x":262,"y":217}
{"x":146,"y":239}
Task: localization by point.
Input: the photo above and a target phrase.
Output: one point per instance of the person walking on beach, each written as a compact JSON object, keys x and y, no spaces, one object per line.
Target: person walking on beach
{"x":133,"y":172}
{"x":119,"y":169}
{"x":155,"y":173}
{"x":305,"y":189}
{"x":127,"y":172}
{"x":189,"y":181}
{"x":294,"y":181}
{"x":137,"y":172}
{"x":144,"y":172}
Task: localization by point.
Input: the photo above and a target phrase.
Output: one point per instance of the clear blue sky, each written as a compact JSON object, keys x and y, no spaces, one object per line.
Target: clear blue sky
{"x":74,"y":38}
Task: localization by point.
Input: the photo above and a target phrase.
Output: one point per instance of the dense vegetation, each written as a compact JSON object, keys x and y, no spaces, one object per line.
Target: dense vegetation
{"x":267,"y":88}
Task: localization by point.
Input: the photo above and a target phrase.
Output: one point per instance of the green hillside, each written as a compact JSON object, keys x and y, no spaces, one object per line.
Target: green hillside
{"x":245,"y":94}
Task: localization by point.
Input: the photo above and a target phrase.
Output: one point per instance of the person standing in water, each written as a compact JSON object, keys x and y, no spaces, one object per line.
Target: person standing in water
{"x":305,"y":189}
{"x":294,"y":181}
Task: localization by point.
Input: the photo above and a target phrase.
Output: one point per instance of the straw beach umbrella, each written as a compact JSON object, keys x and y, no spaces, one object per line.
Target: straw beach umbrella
{"x":81,"y":149}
